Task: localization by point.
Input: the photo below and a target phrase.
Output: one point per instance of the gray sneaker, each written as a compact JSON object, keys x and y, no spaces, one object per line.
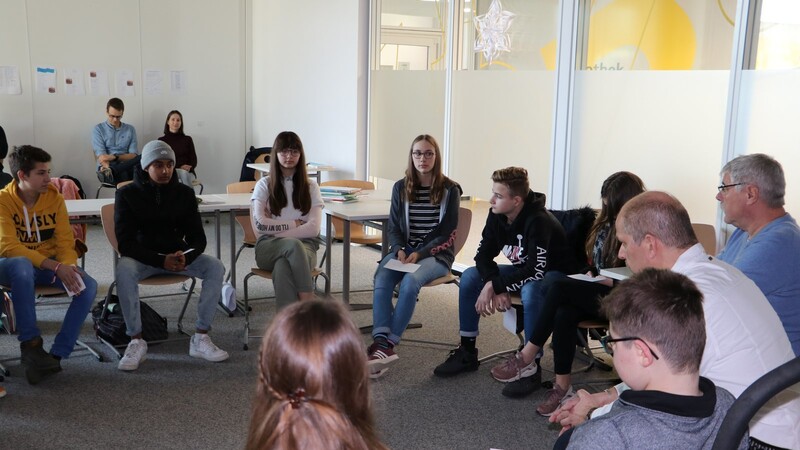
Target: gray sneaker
{"x":135,"y":354}
{"x":201,"y":346}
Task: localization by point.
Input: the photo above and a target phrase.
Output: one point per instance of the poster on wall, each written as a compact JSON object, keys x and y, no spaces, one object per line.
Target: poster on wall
{"x":46,"y":80}
{"x":98,"y":82}
{"x":73,"y":82}
{"x":9,"y":81}
{"x":153,"y":82}
{"x":177,"y":82}
{"x":125,"y":87}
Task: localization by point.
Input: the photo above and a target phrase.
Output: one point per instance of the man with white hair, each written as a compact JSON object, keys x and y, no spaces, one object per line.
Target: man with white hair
{"x":766,"y":243}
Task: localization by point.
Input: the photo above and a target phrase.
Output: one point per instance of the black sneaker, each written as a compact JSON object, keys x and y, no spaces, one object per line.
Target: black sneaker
{"x":38,"y":363}
{"x":460,"y":360}
{"x":524,"y":386}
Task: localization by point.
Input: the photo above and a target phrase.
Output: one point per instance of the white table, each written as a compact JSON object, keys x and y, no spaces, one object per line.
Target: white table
{"x":372,"y":209}
{"x":82,"y":211}
{"x":314,"y":170}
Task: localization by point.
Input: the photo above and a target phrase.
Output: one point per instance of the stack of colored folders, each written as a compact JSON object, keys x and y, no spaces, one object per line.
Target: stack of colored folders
{"x":340,"y":194}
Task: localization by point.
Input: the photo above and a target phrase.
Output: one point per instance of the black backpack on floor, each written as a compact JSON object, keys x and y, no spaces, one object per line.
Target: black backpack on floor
{"x":109,"y":325}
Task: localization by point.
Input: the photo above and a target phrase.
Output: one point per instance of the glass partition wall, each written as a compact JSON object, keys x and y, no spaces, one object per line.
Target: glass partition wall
{"x":651,"y":88}
{"x":667,"y":89}
{"x":488,"y":108}
{"x":770,"y":87}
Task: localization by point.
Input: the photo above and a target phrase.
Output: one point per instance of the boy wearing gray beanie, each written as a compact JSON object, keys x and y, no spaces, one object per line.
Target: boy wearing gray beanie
{"x":159,"y":232}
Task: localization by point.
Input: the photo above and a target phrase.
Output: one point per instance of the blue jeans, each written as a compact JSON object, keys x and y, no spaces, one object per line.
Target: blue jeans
{"x":394,"y":320}
{"x":19,"y":274}
{"x":130,"y":271}
{"x":532,"y":293}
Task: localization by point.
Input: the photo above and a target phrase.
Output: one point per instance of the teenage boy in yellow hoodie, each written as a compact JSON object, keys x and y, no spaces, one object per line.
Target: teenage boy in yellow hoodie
{"x":37,"y":248}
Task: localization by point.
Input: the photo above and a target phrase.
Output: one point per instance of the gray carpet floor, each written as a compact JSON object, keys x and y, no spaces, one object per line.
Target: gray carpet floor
{"x":175,"y":401}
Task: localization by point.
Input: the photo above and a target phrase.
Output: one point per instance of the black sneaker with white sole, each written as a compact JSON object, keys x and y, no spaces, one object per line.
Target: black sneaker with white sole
{"x":460,"y":360}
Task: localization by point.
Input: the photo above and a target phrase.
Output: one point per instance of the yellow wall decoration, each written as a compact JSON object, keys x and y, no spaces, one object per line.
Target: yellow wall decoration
{"x":637,"y":34}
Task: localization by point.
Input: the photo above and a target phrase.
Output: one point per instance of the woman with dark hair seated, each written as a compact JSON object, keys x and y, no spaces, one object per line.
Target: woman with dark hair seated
{"x":182,"y":145}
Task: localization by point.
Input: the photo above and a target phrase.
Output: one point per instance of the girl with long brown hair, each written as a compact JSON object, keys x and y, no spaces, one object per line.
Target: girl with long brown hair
{"x":422,"y":226}
{"x":286,"y":212}
{"x":313,"y":388}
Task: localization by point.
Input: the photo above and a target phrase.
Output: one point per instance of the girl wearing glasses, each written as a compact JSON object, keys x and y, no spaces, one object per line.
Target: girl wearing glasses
{"x":422,"y":227}
{"x":286,"y":212}
{"x":182,"y":145}
{"x":570,"y":301}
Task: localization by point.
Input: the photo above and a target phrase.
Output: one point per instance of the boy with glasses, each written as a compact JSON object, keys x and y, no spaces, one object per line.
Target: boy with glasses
{"x":657,"y":336}
{"x":114,"y":145}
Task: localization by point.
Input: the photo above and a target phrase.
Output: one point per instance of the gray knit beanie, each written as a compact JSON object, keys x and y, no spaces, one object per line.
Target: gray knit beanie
{"x":155,"y":150}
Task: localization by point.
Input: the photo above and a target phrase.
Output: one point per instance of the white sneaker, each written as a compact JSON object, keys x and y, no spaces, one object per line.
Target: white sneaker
{"x":135,"y":354}
{"x":201,"y":346}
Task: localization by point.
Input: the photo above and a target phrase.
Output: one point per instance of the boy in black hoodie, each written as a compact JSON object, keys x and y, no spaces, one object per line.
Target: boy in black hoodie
{"x":534,"y":242}
{"x":159,"y":231}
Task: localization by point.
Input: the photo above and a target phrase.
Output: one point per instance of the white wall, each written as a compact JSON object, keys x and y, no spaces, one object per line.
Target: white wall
{"x":206,"y":38}
{"x":309,"y":76}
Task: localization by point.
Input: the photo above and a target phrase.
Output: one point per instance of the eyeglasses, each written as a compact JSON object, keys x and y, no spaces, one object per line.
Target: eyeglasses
{"x":722,"y":187}
{"x":113,"y":116}
{"x":289,"y":151}
{"x":608,"y":343}
{"x":419,"y":155}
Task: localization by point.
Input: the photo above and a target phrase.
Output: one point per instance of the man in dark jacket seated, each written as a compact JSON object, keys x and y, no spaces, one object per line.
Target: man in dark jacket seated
{"x":159,"y":231}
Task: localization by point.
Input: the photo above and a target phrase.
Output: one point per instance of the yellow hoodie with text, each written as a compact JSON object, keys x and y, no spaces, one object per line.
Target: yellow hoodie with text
{"x":38,"y":233}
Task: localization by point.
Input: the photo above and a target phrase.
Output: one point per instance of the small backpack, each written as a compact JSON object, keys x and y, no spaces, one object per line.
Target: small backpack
{"x":81,"y":193}
{"x":109,"y":324}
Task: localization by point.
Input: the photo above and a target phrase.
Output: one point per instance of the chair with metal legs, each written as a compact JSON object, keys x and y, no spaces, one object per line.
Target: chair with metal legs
{"x":46,"y":292}
{"x":462,"y":232}
{"x":316,"y":272}
{"x":107,"y":217}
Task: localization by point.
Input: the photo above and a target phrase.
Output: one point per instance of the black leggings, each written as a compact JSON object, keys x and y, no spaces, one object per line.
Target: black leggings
{"x":567,"y":302}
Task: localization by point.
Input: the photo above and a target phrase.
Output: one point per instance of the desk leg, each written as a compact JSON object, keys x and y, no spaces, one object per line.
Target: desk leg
{"x":218,"y":234}
{"x":346,"y":262}
{"x":328,"y":243}
{"x":233,"y":247}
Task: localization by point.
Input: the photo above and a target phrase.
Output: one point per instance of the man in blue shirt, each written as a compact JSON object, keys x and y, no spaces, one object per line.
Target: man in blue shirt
{"x":766,"y":243}
{"x":114,"y":145}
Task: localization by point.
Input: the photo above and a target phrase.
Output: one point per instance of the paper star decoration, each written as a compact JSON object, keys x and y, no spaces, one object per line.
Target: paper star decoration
{"x":492,"y":31}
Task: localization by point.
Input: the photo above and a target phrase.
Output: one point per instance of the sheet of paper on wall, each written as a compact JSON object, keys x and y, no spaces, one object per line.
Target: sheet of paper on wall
{"x":73,"y":82}
{"x":395,"y":264}
{"x":177,"y":82}
{"x":589,"y":278}
{"x":153,"y":82}
{"x":125,"y":84}
{"x":9,"y":81}
{"x":46,"y":80}
{"x":98,"y":82}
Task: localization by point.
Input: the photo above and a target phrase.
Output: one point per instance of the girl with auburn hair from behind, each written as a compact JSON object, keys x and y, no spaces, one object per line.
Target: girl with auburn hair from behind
{"x":313,"y":390}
